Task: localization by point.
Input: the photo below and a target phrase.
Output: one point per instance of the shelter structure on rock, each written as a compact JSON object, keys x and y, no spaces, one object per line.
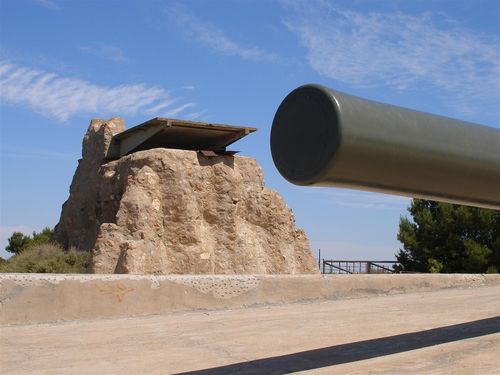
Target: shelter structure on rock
{"x":166,"y":197}
{"x":177,"y":134}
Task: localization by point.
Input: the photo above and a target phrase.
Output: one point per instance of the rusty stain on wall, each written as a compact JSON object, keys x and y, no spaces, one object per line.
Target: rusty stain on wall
{"x":116,"y":290}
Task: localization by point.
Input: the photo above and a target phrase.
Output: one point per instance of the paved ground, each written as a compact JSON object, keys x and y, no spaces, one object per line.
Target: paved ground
{"x":449,"y":331}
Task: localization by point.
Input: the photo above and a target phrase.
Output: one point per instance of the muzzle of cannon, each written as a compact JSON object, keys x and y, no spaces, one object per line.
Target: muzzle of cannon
{"x":322,"y":137}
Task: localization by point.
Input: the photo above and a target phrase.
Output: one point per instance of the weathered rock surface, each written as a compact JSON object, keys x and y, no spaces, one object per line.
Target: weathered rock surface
{"x":166,"y":211}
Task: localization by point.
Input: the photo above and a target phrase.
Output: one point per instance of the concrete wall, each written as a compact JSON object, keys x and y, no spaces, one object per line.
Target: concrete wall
{"x":39,"y":298}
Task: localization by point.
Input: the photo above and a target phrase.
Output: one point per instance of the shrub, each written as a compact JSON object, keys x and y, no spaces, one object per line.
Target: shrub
{"x":48,"y":258}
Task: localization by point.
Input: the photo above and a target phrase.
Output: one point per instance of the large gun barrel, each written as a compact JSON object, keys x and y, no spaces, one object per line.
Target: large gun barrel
{"x":323,"y":137}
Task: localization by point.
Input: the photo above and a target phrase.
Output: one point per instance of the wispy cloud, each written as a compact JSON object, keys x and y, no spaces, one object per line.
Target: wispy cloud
{"x":49,"y":4}
{"x":213,"y":37}
{"x":195,"y":115}
{"x":62,"y":98}
{"x":17,"y":152}
{"x":361,"y":199}
{"x":398,"y":50}
{"x":105,"y":51}
{"x":176,"y":111}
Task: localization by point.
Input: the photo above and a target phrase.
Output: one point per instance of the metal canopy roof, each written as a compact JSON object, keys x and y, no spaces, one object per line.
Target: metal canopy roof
{"x":179,"y":134}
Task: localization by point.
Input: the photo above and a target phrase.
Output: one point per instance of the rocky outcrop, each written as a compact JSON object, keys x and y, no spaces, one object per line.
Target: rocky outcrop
{"x":166,"y":211}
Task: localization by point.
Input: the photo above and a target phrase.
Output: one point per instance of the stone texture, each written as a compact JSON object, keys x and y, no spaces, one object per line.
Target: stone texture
{"x":166,"y":211}
{"x":81,"y":216}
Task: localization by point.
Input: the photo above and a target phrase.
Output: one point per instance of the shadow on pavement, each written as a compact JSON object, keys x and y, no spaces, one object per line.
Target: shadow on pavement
{"x":357,"y":351}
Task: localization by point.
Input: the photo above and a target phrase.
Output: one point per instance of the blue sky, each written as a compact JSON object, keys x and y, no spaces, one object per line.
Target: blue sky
{"x":65,"y":62}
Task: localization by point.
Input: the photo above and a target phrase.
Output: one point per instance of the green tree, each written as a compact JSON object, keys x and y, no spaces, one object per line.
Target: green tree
{"x":443,"y":237}
{"x":19,"y":241}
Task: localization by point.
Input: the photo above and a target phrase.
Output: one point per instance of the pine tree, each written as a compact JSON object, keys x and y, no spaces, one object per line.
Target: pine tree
{"x":443,"y":237}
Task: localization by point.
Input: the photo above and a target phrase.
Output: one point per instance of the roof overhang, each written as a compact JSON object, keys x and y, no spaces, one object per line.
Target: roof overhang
{"x":178,"y":134}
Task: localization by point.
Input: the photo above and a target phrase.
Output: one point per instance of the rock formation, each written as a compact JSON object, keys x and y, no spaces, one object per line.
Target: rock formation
{"x":167,"y":211}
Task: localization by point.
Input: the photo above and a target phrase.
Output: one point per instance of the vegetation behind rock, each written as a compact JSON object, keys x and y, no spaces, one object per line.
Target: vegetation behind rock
{"x":38,"y":254}
{"x":48,"y":258}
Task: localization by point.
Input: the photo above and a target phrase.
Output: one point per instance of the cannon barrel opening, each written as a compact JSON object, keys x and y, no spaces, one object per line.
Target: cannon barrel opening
{"x":322,"y":137}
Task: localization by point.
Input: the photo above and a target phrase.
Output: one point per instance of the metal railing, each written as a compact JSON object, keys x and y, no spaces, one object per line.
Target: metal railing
{"x":357,"y":266}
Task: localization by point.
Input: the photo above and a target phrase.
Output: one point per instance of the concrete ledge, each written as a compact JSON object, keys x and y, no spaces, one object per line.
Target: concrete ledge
{"x":42,"y":298}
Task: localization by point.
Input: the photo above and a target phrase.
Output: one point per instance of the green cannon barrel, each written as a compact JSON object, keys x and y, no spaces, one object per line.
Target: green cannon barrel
{"x":322,"y":137}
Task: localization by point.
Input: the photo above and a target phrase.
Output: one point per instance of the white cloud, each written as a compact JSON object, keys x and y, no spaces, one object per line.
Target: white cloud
{"x":361,"y":199}
{"x":160,"y":106}
{"x":17,"y":152}
{"x":214,"y":38}
{"x":397,"y":50}
{"x":105,"y":51}
{"x":62,"y":98}
{"x":195,"y":115}
{"x":49,"y":4}
{"x":175,"y":111}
